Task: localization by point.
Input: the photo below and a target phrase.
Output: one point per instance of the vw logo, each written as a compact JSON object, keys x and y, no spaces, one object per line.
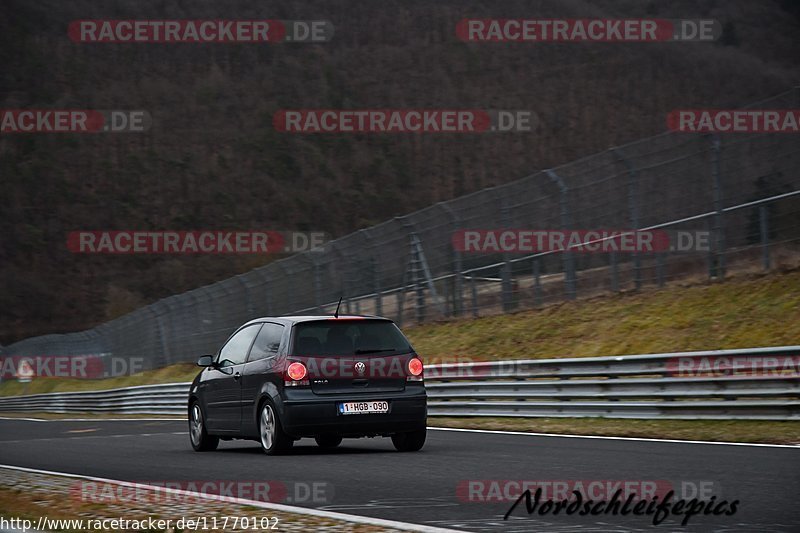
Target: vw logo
{"x":360,"y":367}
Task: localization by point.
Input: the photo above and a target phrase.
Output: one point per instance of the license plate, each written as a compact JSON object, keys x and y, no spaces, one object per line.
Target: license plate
{"x":363,"y":408}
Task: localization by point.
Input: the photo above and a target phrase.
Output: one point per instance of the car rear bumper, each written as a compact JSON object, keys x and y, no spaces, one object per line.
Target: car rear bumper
{"x":311,"y":416}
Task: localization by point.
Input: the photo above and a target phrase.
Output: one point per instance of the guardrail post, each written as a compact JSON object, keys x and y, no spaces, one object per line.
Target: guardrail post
{"x":719,"y":229}
{"x":764,"y":227}
{"x":569,"y":264}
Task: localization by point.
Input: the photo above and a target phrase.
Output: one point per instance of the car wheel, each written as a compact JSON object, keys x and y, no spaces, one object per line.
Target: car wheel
{"x":411,"y":441}
{"x":328,"y":441}
{"x":201,"y":440}
{"x":273,"y":439}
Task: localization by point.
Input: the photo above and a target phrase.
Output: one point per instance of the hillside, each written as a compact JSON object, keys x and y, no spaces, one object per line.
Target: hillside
{"x":212,"y":159}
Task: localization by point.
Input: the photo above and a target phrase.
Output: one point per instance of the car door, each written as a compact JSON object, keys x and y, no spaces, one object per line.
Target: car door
{"x":261,"y":366}
{"x":224,"y":386}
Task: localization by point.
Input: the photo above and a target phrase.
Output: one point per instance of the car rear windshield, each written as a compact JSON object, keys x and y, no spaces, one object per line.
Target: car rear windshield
{"x":349,"y":337}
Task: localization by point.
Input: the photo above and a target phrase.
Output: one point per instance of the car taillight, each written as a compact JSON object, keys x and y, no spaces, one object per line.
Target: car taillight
{"x":414,"y":369}
{"x":295,"y":374}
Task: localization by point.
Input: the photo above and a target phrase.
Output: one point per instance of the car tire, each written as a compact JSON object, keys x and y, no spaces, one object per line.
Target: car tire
{"x":198,"y":436}
{"x":328,"y":441}
{"x":410,"y":441}
{"x":273,"y":440}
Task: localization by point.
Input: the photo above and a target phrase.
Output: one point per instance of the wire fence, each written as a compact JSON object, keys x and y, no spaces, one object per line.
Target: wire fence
{"x":740,"y":191}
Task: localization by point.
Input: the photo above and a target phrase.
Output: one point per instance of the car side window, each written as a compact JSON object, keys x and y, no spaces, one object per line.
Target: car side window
{"x":235,"y":350}
{"x":267,"y":342}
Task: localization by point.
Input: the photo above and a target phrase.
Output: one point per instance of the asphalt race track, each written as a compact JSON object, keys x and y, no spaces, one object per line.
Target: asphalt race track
{"x":367,"y":477}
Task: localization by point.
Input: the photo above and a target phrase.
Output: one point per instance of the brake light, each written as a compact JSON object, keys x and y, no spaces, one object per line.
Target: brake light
{"x":414,"y":369}
{"x":296,"y":372}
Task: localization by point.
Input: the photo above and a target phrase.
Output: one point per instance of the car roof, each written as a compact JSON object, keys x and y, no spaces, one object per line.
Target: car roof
{"x":294,"y":319}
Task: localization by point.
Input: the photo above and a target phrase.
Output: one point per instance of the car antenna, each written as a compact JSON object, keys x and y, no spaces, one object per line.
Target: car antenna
{"x":336,"y":314}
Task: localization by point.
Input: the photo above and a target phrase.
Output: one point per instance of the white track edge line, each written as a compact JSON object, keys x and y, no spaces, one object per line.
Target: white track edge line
{"x":253,"y":503}
{"x":606,"y":437}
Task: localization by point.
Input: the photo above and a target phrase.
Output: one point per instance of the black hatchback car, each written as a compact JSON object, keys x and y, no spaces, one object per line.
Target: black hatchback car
{"x":276,"y":380}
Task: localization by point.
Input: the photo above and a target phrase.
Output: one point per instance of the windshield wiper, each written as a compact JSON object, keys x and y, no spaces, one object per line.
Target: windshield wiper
{"x":361,"y":350}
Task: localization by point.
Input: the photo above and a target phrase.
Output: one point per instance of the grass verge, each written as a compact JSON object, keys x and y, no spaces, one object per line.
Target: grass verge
{"x":744,"y":312}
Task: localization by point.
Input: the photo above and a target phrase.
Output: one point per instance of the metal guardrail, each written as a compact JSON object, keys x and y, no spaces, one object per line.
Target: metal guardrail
{"x":168,"y":399}
{"x":758,"y":384}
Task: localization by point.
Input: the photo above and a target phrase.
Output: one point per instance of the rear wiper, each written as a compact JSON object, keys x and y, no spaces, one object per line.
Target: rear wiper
{"x":361,"y":350}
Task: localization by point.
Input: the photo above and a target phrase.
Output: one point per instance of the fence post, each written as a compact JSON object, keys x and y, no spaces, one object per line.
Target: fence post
{"x":344,"y":287}
{"x":633,"y":207}
{"x":401,"y":296}
{"x":248,"y":299}
{"x":569,"y":264}
{"x":376,"y":286}
{"x":474,"y":291}
{"x":161,"y":336}
{"x":458,"y":284}
{"x":458,"y":296}
{"x":614,"y":272}
{"x":537,"y":283}
{"x":505,"y":271}
{"x":764,"y":227}
{"x":416,"y":269}
{"x":719,"y":229}
{"x":347,"y":272}
{"x":269,"y":297}
{"x":317,"y":284}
